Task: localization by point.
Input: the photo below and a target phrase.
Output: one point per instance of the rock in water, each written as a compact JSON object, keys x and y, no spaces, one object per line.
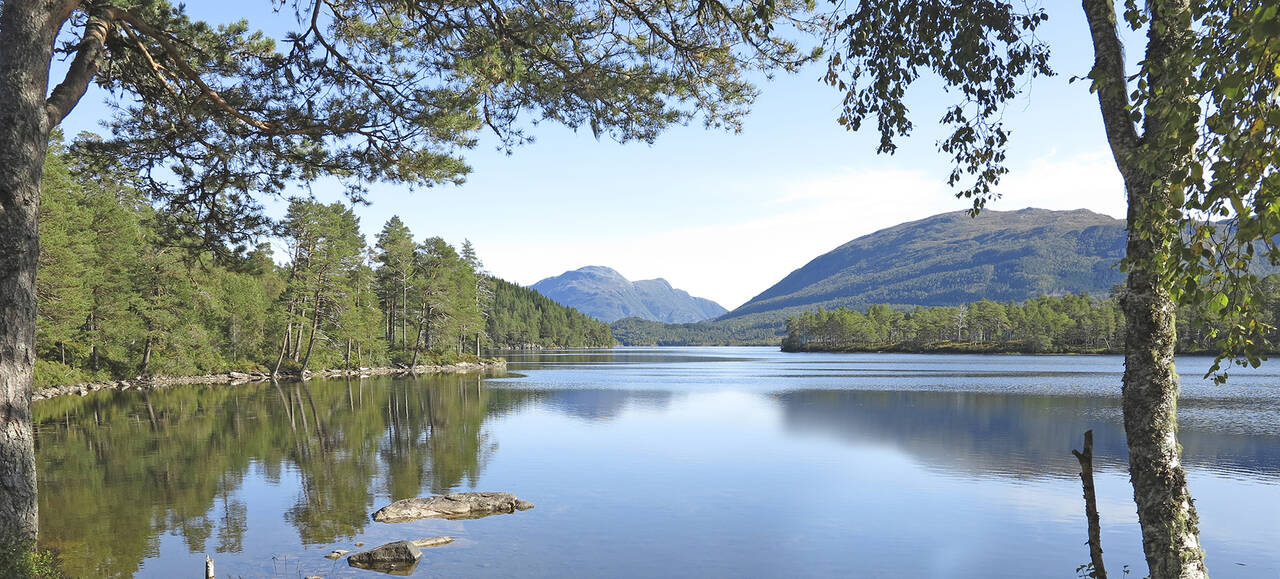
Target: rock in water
{"x":432,"y":542}
{"x":453,"y":506}
{"x":389,"y":558}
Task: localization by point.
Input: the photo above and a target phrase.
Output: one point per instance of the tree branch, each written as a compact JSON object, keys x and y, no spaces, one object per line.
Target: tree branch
{"x":83,"y":67}
{"x":1109,"y":80}
{"x":190,"y":73}
{"x":155,"y":66}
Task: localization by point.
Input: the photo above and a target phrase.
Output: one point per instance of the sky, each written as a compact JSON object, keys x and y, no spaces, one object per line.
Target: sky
{"x":723,"y":215}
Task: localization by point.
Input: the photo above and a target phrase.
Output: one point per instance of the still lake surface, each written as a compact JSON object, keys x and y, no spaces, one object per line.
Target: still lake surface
{"x":655,"y":462}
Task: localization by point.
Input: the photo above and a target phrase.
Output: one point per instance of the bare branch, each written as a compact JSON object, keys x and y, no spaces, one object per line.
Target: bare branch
{"x":1109,"y":79}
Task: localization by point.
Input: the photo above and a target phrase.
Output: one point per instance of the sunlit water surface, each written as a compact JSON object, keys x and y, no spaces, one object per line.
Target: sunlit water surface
{"x":673,"y":462}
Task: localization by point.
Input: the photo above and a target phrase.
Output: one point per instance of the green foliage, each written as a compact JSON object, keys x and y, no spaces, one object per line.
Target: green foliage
{"x":19,"y":561}
{"x":217,"y":116}
{"x":986,"y":50}
{"x":1225,"y":192}
{"x":52,"y":373}
{"x":117,"y":300}
{"x":1066,"y":324}
{"x":734,"y":332}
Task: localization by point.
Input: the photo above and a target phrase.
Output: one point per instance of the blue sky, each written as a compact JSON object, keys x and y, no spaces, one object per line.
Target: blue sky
{"x":724,"y":216}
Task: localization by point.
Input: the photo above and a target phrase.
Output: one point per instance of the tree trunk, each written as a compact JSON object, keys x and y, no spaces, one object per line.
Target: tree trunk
{"x":1085,"y":457}
{"x":315,"y":323}
{"x":284,"y":344}
{"x":1166,"y":512}
{"x":146,"y":358}
{"x":297,"y":342}
{"x":27,"y":31}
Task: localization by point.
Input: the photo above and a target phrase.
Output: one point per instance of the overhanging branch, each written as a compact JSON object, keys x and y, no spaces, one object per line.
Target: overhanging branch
{"x":83,"y":67}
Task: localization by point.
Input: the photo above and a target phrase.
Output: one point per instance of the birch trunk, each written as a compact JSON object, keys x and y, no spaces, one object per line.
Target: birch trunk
{"x":1166,"y":512}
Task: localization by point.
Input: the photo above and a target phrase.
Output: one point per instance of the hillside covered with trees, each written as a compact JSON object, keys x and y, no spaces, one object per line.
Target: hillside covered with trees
{"x":1065,"y":324}
{"x":952,"y":259}
{"x":123,"y":293}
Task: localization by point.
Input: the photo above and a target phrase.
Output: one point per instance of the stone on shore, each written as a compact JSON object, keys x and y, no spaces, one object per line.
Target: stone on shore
{"x":452,"y":506}
{"x":391,"y":557}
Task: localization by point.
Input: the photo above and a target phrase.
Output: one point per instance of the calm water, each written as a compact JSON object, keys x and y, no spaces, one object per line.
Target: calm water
{"x":654,"y":463}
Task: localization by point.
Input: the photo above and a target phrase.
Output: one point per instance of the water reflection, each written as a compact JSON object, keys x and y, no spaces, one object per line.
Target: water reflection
{"x":647,"y":463}
{"x":1024,"y":436}
{"x":117,"y":470}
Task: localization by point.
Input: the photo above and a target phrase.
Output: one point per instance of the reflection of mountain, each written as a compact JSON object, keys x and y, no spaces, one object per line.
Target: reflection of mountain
{"x":603,"y":404}
{"x":1016,"y":434}
{"x":118,"y":470}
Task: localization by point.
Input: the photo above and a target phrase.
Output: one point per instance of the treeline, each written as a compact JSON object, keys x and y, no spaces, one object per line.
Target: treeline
{"x":118,"y":296}
{"x":1073,"y":323}
{"x":736,"y":332}
{"x":522,"y":318}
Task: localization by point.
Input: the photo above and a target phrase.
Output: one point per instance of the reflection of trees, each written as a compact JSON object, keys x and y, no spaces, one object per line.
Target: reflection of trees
{"x":119,"y":469}
{"x":1017,"y":434}
{"x":603,"y":403}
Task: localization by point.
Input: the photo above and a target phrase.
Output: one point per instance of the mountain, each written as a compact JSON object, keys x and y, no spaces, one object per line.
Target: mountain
{"x":953,"y":259}
{"x":604,"y":294}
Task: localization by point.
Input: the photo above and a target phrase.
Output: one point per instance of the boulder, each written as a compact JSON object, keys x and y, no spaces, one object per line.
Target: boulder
{"x":336,"y":554}
{"x":391,"y":557}
{"x":452,"y":506}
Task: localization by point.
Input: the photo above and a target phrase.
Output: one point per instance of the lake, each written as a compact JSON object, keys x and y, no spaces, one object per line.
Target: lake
{"x":655,"y":462}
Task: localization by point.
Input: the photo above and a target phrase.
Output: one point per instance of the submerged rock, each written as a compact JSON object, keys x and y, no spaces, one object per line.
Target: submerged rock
{"x":389,"y":558}
{"x":337,"y":554}
{"x":453,"y":506}
{"x":432,"y":542}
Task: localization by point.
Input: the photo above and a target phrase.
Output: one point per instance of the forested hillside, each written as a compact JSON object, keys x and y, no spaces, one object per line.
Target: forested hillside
{"x":522,"y":318}
{"x":121,"y":295}
{"x":953,"y":259}
{"x":639,"y":332}
{"x":1071,"y":323}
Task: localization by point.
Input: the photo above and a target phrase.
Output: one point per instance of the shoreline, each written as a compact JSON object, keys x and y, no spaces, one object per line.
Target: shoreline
{"x":238,"y":378}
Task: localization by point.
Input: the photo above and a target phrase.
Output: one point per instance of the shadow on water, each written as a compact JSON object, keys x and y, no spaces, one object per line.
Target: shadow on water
{"x":120,"y":469}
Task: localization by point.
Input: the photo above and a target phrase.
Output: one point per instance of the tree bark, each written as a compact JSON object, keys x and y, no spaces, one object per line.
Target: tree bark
{"x":1166,"y":512}
{"x":27,"y":31}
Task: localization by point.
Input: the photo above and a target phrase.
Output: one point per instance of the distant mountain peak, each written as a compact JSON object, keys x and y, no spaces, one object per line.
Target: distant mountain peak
{"x":603,"y":293}
{"x":597,"y":269}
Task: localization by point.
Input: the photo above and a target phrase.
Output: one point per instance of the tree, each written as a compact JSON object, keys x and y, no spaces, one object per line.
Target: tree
{"x":215,"y":117}
{"x":1196,"y":137}
{"x":395,"y":256}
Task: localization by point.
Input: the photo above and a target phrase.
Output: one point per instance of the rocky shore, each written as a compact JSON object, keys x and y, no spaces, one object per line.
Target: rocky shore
{"x":237,"y":378}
